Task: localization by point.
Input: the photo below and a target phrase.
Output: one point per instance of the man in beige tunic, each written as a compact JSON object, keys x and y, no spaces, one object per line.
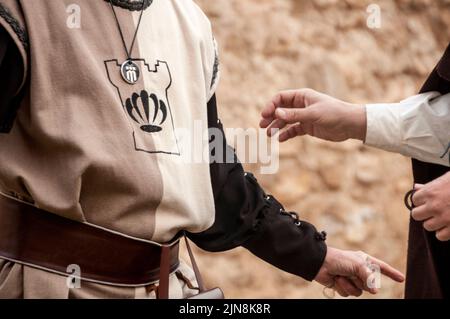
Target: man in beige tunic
{"x":92,"y":94}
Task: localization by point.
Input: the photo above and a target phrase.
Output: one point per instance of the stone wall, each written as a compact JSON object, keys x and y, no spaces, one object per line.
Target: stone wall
{"x":353,"y":192}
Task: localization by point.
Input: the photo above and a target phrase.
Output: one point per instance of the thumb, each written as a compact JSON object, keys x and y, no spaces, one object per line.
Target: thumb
{"x":292,"y":116}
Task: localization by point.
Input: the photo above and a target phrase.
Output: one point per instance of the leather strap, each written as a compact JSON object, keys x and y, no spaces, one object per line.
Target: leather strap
{"x":198,"y":276}
{"x":40,"y":239}
{"x":164,"y":273}
{"x":163,"y":288}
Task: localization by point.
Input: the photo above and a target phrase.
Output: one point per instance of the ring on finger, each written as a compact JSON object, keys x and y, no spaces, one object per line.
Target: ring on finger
{"x":329,"y":291}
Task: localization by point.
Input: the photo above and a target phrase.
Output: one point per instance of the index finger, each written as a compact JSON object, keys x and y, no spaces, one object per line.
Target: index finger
{"x":419,"y":197}
{"x":388,"y":270}
{"x":284,"y":99}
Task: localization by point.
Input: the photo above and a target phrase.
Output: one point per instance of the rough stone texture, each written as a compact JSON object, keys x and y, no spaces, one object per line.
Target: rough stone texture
{"x":353,"y":192}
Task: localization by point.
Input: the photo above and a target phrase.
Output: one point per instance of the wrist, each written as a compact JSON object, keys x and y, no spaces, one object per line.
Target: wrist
{"x":358,"y":122}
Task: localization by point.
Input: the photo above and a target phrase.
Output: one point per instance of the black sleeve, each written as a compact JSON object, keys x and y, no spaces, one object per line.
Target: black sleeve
{"x":246,"y":216}
{"x":11,"y":75}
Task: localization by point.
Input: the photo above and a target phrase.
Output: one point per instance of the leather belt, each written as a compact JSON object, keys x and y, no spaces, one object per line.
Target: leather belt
{"x":34,"y":237}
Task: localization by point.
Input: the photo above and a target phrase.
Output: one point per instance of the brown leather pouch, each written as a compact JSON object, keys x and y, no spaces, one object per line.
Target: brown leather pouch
{"x":163,"y":289}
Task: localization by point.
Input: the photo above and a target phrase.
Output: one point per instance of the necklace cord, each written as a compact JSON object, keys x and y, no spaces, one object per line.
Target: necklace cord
{"x":129,"y":53}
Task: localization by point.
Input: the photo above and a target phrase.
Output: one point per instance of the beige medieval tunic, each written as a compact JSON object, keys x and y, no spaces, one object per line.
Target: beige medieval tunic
{"x":77,"y":151}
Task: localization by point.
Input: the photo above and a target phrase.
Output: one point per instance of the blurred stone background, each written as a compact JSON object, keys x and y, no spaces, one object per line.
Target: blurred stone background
{"x":353,"y":192}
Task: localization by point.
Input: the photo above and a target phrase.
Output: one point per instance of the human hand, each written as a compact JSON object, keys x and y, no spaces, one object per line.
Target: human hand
{"x":307,"y":112}
{"x":432,"y":206}
{"x":350,"y":273}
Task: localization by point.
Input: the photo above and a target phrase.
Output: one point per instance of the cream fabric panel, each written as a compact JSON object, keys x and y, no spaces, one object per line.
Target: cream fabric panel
{"x":174,"y":36}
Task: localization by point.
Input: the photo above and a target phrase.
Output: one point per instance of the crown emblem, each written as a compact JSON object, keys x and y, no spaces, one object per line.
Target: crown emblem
{"x":147,"y":110}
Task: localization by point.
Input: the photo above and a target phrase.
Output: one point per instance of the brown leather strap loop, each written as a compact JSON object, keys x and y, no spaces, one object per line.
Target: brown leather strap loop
{"x":409,"y":200}
{"x":198,"y":276}
{"x":164,"y":273}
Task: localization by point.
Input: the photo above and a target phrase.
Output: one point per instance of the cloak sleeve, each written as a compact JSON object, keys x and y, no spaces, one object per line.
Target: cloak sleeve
{"x":13,"y":61}
{"x":246,"y":216}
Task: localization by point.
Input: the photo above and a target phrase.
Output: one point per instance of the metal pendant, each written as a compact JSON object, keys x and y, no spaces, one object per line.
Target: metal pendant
{"x":130,"y":72}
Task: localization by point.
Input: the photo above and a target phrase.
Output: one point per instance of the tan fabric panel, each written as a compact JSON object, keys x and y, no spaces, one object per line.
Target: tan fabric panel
{"x":11,"y":279}
{"x":71,"y":149}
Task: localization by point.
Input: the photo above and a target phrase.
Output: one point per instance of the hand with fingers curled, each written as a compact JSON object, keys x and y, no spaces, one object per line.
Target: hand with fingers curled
{"x":431,"y":205}
{"x":307,"y":112}
{"x":351,"y":273}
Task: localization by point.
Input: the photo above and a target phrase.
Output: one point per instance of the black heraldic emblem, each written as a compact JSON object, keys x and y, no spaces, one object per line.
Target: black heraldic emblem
{"x":146,"y":104}
{"x":152,"y":107}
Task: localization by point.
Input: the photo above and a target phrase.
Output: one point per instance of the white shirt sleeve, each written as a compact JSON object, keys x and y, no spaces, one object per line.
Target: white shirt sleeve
{"x":418,"y":127}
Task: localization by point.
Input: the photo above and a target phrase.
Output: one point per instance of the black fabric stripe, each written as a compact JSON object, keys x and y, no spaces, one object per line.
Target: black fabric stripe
{"x":15,"y":25}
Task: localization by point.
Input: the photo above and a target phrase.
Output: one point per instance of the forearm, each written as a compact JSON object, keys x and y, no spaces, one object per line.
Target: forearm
{"x":246,"y":216}
{"x":418,"y":127}
{"x":290,"y":244}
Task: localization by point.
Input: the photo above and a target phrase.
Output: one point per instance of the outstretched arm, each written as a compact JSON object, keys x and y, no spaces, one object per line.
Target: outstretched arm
{"x":416,"y":127}
{"x":246,"y":216}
